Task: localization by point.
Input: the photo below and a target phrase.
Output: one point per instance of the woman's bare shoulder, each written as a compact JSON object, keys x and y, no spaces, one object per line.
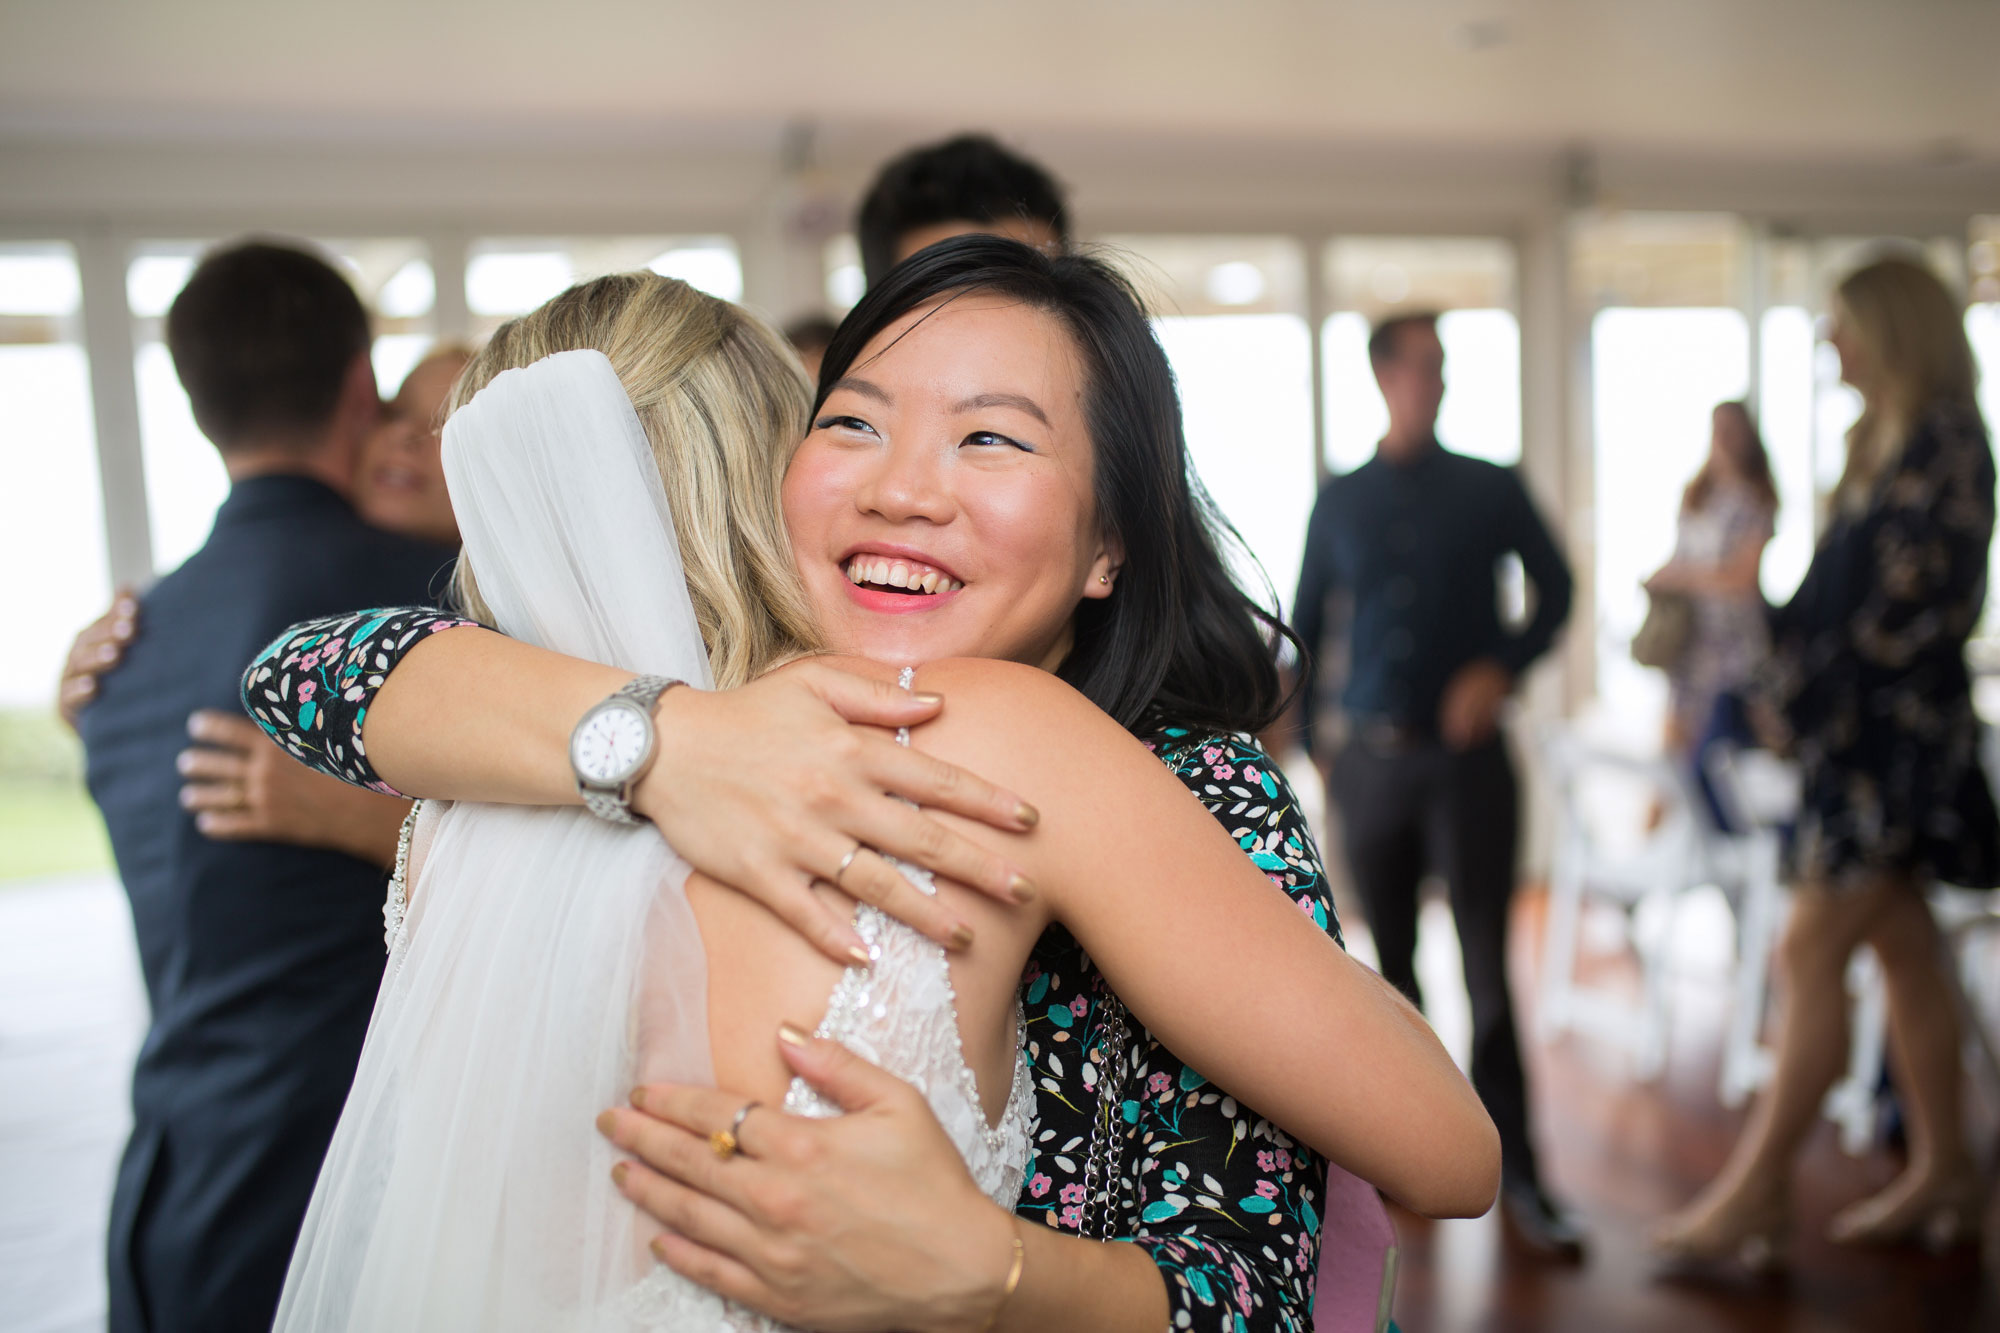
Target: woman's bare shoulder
{"x":1023,"y":727}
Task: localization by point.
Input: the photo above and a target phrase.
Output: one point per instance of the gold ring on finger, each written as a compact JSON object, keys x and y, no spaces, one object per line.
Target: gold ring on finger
{"x":723,"y":1142}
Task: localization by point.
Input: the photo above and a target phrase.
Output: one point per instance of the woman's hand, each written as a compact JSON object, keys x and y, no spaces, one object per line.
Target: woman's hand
{"x":866,"y":1221}
{"x":98,"y":648}
{"x":772,"y":786}
{"x":243,"y":788}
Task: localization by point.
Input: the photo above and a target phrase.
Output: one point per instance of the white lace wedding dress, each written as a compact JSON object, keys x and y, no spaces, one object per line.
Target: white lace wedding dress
{"x":899,"y":1013}
{"x":550,"y":961}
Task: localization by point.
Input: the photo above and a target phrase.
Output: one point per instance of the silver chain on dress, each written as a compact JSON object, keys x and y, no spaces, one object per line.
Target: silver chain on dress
{"x":1101,"y":1166}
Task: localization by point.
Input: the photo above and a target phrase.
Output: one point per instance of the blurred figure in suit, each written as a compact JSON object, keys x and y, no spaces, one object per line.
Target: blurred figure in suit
{"x":1423,"y":780}
{"x":261,"y":961}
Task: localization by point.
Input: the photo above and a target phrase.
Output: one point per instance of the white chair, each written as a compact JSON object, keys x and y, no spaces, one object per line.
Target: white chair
{"x":1645,"y":881}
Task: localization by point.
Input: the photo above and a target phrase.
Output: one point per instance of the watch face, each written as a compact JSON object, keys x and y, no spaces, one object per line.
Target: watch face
{"x":610,"y":744}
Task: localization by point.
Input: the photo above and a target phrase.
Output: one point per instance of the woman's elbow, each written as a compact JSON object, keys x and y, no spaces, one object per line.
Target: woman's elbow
{"x":1462,"y":1182}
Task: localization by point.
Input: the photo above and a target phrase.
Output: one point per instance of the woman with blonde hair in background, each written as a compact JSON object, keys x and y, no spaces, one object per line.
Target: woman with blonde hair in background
{"x":1867,"y":689}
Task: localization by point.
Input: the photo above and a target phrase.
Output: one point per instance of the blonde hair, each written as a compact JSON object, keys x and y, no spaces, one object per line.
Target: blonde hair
{"x":1912,"y":334}
{"x":725,"y":403}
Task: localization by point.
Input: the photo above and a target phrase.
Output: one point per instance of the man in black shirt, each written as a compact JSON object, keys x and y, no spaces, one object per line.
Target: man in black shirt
{"x":1414,"y":540}
{"x":261,"y":960}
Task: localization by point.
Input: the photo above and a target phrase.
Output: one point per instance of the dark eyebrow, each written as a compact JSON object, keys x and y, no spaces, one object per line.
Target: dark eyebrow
{"x":1018,"y":401}
{"x":866,"y":388}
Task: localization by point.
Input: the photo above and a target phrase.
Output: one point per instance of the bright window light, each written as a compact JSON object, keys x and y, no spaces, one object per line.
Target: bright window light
{"x":1657,"y":375}
{"x":514,"y":283}
{"x":410,"y":292}
{"x":153,"y":281}
{"x":1784,"y":417}
{"x":1246,"y":399}
{"x":394,"y":356}
{"x":185,"y":479}
{"x":845,"y":286}
{"x":709,"y":268}
{"x":1481,"y":413}
{"x":32,"y":284}
{"x":1237,"y":282}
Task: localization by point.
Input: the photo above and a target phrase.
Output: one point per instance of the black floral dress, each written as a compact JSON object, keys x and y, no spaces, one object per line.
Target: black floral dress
{"x":1868,"y":673}
{"x":1224,"y":1201}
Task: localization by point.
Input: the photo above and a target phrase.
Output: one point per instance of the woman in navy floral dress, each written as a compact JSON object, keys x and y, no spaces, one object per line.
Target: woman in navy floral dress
{"x":1868,"y":690}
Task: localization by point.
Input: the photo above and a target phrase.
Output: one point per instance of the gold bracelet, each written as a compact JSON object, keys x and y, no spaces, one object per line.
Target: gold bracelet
{"x":1013,"y":1278}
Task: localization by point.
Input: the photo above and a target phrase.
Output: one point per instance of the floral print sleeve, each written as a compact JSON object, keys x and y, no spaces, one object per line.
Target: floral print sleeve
{"x":311,"y":689}
{"x":1224,"y":1201}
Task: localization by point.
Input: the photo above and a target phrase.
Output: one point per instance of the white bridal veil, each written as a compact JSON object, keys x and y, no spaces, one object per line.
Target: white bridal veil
{"x":551,"y":959}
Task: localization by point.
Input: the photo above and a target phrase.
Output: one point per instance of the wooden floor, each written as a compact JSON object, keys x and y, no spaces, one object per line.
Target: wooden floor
{"x":1623,"y":1154}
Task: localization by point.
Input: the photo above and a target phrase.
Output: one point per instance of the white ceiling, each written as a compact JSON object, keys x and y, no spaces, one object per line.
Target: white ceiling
{"x":1874,"y":80}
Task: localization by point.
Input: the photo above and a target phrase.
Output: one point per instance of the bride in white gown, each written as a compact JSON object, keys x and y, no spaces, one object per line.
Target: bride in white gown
{"x":548,"y":961}
{"x":464,"y":1188}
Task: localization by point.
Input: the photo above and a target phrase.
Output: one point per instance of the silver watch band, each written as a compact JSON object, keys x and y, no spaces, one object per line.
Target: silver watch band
{"x":615,"y":803}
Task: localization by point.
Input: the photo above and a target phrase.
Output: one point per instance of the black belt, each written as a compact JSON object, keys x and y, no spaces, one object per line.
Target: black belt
{"x":1388,"y":735}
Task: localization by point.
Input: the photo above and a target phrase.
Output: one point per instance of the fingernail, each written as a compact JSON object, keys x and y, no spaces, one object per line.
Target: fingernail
{"x":792,"y":1035}
{"x":860,"y":956}
{"x":187,"y":798}
{"x":106,"y":654}
{"x":1027,"y":814}
{"x":184,"y":761}
{"x":658,"y":1248}
{"x":639,"y":1098}
{"x":606,"y":1122}
{"x":122,"y":628}
{"x":928,"y":700}
{"x":619,"y":1172}
{"x":1022,"y":888}
{"x":961,"y":936}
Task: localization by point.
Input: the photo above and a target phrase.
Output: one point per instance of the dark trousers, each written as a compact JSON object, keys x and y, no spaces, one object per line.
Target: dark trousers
{"x":1406,"y":810}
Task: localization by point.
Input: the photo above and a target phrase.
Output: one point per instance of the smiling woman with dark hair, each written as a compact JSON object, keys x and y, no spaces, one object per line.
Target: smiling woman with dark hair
{"x":995,"y":469}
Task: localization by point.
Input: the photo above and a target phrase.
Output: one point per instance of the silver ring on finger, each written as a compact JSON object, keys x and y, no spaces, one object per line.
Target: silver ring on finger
{"x":845,"y":862}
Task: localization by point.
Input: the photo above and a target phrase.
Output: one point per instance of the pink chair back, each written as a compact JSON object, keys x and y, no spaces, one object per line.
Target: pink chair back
{"x":1357,"y":1258}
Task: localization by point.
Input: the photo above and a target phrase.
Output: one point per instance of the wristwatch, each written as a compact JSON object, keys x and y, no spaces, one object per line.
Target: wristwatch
{"x":613,"y":746}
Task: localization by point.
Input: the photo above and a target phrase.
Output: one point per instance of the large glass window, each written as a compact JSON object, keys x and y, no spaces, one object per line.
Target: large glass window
{"x":1982,"y":327}
{"x":185,"y":480}
{"x":509,"y":276}
{"x":1668,"y":341}
{"x":1471,"y":281}
{"x":1230,"y":312}
{"x":52,"y":545}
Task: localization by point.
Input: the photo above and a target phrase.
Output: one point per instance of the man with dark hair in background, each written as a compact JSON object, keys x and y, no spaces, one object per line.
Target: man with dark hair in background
{"x":261,"y":960}
{"x":965,"y":185}
{"x":1422,"y":780}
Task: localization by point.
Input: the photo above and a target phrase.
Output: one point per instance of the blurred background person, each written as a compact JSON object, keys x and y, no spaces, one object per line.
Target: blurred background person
{"x":1422,"y":780}
{"x":1727,"y":515}
{"x":1868,"y":690}
{"x":965,"y":184}
{"x":261,"y":961}
{"x":238,"y":785}
{"x":399,"y":486}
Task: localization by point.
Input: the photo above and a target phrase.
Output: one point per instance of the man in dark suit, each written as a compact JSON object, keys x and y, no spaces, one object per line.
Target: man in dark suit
{"x":1422,"y":781}
{"x":261,"y":960}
